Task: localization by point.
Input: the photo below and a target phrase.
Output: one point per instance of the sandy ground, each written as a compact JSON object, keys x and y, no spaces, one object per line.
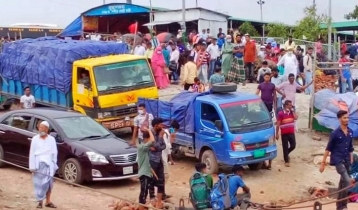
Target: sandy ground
{"x":281,"y":184}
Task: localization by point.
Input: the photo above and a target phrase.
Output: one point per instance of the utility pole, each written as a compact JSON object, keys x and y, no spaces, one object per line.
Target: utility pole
{"x":183,"y":27}
{"x":314,"y":2}
{"x":129,"y":1}
{"x":104,"y":1}
{"x":196,"y":3}
{"x":261,"y":2}
{"x":330,"y":30}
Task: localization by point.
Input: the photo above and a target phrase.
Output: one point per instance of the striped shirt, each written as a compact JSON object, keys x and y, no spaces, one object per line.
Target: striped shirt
{"x":155,"y":42}
{"x":287,"y":122}
{"x":204,"y":57}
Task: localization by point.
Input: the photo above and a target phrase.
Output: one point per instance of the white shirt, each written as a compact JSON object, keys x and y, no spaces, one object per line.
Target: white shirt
{"x":203,"y":36}
{"x":138,"y":121}
{"x":214,"y":51}
{"x":139,"y":50}
{"x":291,"y":64}
{"x":27,"y":101}
{"x":166,"y":151}
{"x":174,"y":56}
{"x":307,"y":63}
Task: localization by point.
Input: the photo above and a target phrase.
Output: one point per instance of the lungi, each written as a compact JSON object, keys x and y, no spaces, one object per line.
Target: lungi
{"x":43,"y":181}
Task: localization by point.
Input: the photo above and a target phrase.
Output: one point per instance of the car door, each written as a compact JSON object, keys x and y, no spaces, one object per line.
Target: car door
{"x":15,"y":131}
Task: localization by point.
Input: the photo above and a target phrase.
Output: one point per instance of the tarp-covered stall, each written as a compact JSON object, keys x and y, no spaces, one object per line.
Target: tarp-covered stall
{"x":180,"y":108}
{"x":47,"y":62}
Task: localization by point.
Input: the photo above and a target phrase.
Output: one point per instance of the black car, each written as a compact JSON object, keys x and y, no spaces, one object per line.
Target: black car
{"x":86,"y":150}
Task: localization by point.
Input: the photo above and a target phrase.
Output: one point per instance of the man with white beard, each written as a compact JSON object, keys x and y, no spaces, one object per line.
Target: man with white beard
{"x":289,"y":61}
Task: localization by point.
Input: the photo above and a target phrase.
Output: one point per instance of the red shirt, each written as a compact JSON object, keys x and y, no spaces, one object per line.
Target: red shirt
{"x":287,"y":122}
{"x":250,"y":52}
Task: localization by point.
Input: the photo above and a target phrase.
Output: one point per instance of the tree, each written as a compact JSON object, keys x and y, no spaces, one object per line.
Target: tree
{"x":352,"y":15}
{"x":309,"y":25}
{"x":247,"y":28}
{"x":277,"y":30}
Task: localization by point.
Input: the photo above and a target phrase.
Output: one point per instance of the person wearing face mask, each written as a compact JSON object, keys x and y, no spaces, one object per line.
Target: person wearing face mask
{"x":43,"y":164}
{"x":227,"y":56}
{"x":141,"y":122}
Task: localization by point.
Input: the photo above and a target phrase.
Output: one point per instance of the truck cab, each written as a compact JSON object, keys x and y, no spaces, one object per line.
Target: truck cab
{"x":231,"y":129}
{"x":107,"y":88}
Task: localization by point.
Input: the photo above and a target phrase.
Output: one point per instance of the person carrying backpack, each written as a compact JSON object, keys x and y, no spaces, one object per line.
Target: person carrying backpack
{"x":224,"y":193}
{"x":200,"y":186}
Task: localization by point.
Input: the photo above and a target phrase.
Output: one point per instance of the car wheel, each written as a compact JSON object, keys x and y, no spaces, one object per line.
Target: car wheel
{"x":2,"y":157}
{"x":224,"y":87}
{"x":256,"y":166}
{"x":209,"y":159}
{"x":72,"y":171}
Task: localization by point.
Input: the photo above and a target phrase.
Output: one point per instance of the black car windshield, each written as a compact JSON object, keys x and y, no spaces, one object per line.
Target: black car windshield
{"x":81,"y":127}
{"x":245,"y":113}
{"x":123,"y":75}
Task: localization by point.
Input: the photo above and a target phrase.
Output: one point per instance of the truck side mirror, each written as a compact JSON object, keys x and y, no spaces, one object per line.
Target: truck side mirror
{"x":219,"y":125}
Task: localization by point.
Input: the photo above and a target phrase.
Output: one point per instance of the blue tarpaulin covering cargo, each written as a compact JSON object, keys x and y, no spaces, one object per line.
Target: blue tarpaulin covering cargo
{"x":330,"y":103}
{"x":180,"y":108}
{"x":48,"y":60}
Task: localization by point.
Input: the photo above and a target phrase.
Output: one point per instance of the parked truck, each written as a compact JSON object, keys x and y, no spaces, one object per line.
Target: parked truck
{"x":94,"y":78}
{"x":221,"y":127}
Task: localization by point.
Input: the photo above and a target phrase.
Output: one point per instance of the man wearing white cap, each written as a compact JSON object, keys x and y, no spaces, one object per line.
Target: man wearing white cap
{"x":289,"y":61}
{"x":43,"y":164}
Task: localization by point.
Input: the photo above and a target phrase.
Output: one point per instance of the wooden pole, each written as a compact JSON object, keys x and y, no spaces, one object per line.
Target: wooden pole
{"x":311,"y":111}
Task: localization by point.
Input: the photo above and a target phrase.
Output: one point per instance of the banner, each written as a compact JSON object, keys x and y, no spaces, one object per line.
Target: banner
{"x":90,"y":23}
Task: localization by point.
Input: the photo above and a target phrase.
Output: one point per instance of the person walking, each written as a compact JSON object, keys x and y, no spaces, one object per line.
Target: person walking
{"x":43,"y":164}
{"x":190,"y":73}
{"x":340,"y":149}
{"x":286,"y":123}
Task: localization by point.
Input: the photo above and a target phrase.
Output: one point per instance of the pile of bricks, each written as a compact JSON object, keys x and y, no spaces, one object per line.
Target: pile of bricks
{"x":325,"y":82}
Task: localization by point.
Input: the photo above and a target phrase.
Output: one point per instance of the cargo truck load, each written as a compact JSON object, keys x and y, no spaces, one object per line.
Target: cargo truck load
{"x":98,"y":79}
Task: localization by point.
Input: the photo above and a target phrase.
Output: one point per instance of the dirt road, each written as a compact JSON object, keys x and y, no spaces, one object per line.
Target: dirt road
{"x":281,"y":184}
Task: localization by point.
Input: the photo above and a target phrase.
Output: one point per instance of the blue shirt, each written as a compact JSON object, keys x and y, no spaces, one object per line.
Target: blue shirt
{"x":220,"y":42}
{"x":166,"y":55}
{"x":340,"y":145}
{"x":235,"y":182}
{"x":216,"y":78}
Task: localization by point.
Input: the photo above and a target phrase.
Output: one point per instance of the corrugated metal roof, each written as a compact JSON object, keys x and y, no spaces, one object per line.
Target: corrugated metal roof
{"x":342,"y":26}
{"x":246,"y":20}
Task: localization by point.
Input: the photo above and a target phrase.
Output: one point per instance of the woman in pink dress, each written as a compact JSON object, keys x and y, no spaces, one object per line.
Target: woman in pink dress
{"x":158,"y":65}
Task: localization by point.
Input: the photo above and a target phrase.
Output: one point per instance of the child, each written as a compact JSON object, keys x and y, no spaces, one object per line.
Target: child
{"x":216,"y":78}
{"x":262,"y":71}
{"x":198,"y":86}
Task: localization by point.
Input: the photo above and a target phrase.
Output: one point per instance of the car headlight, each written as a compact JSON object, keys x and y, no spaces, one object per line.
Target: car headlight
{"x":272,"y":140}
{"x":237,"y":146}
{"x":96,"y":158}
{"x":102,"y":115}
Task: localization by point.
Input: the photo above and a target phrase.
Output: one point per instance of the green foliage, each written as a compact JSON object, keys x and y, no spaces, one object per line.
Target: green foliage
{"x":247,"y":28}
{"x":277,"y":30}
{"x":309,"y":26}
{"x":352,"y":15}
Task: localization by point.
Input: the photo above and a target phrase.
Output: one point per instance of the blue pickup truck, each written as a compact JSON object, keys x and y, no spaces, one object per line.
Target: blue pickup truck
{"x":221,"y":128}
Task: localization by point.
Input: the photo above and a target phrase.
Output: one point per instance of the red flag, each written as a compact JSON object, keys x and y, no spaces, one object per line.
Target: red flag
{"x":133,"y":28}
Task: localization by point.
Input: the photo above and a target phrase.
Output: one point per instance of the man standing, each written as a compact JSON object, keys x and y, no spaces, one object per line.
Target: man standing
{"x":277,"y":80}
{"x":189,"y":74}
{"x":27,"y":101}
{"x":139,"y":50}
{"x":308,"y":69}
{"x":144,"y":172}
{"x":221,"y":34}
{"x":290,"y":44}
{"x":249,"y":57}
{"x":203,"y":63}
{"x":345,"y":73}
{"x":43,"y":164}
{"x":290,"y":63}
{"x":213,"y":50}
{"x":340,"y":149}
{"x":141,"y":122}
{"x":203,"y":35}
{"x":286,"y":123}
{"x":156,"y":162}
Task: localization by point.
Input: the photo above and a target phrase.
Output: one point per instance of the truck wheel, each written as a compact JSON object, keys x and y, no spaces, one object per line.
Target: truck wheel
{"x":2,"y":157}
{"x":209,"y":158}
{"x":224,"y":87}
{"x":256,"y":166}
{"x":72,"y":171}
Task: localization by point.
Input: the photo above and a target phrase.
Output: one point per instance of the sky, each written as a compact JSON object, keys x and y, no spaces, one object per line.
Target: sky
{"x":63,"y":12}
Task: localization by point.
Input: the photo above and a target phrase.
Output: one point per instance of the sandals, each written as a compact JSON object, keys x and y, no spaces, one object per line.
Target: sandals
{"x":51,"y":205}
{"x":39,"y":206}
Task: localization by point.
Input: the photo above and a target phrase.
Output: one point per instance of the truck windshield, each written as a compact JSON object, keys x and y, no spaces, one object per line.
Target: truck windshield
{"x":244,"y":114}
{"x":123,"y":75}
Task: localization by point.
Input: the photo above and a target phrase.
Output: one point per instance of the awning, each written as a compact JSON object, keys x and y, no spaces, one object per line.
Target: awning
{"x":154,"y":23}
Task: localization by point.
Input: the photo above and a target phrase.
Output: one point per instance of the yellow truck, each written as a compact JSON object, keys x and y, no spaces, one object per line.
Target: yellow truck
{"x":105,"y":88}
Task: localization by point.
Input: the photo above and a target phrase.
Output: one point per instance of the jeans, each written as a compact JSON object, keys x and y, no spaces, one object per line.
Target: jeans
{"x":348,"y":84}
{"x":249,"y":70}
{"x":211,"y":68}
{"x":241,"y":198}
{"x":288,"y":145}
{"x":158,"y":168}
{"x":343,"y":170}
{"x":308,"y":79}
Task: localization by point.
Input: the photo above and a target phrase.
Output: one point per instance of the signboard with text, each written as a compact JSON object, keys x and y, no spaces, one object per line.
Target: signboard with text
{"x":116,"y":9}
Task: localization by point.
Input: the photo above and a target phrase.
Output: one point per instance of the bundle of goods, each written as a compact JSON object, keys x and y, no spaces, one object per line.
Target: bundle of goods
{"x":323,"y":81}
